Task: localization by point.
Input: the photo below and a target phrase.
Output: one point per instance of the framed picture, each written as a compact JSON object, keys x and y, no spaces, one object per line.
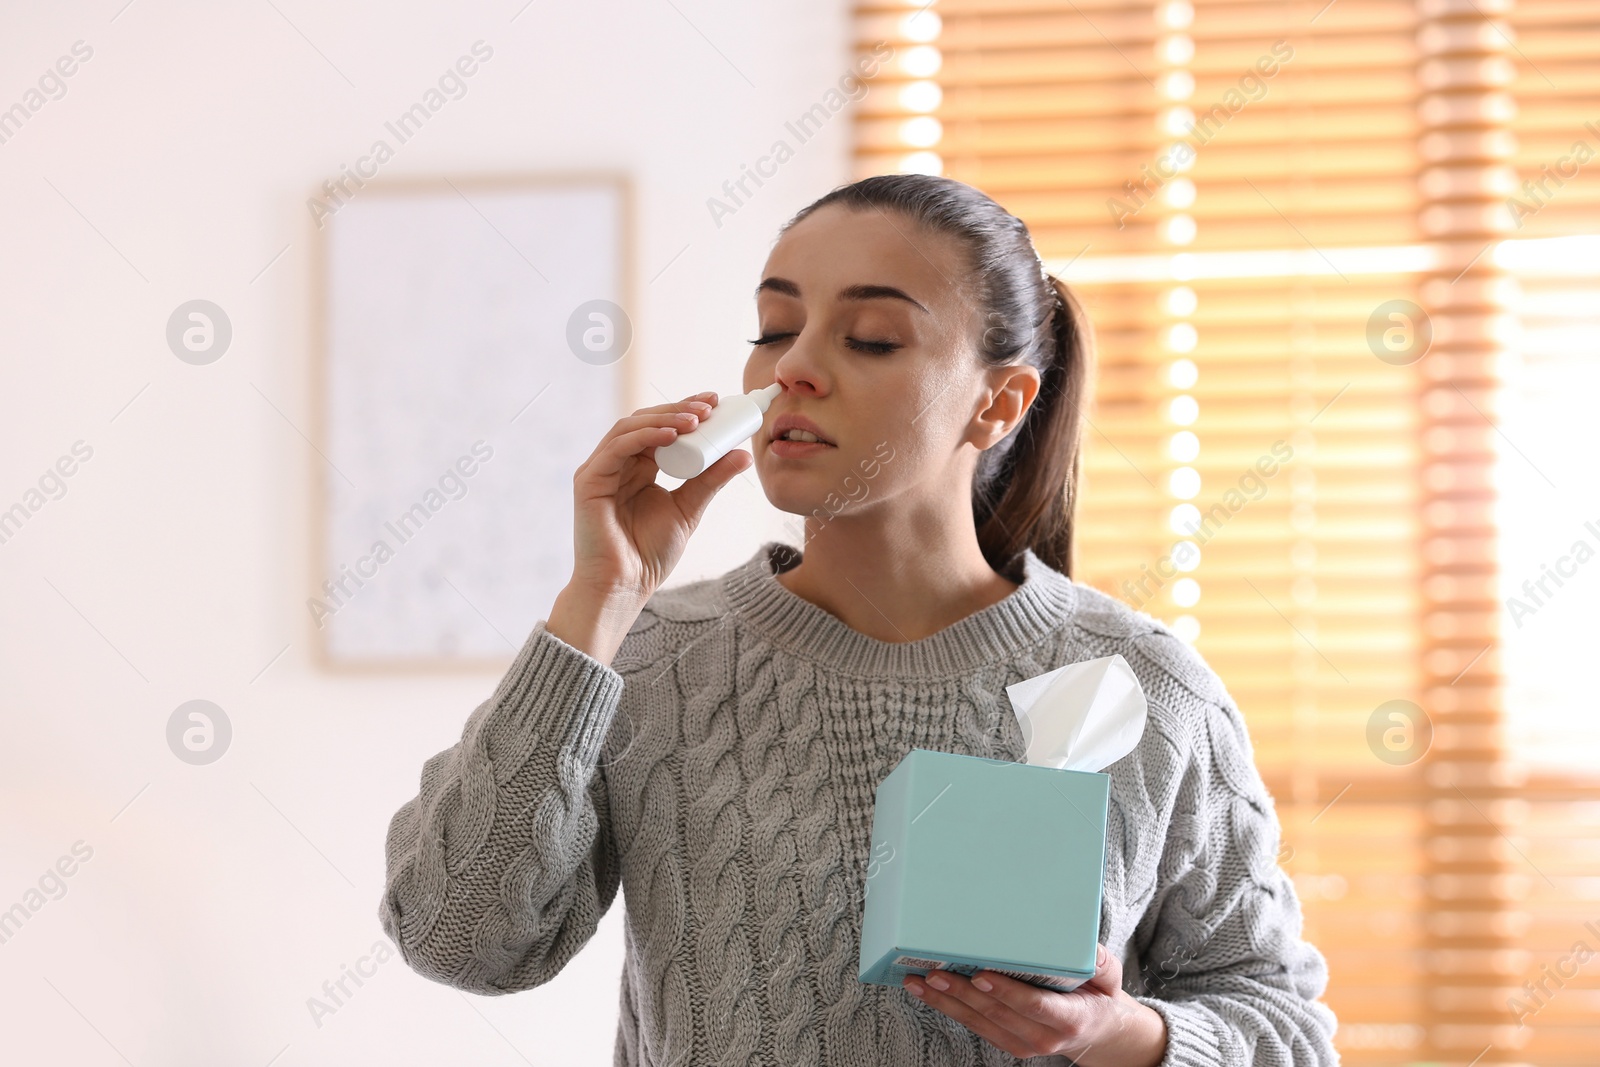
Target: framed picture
{"x":473,"y":349}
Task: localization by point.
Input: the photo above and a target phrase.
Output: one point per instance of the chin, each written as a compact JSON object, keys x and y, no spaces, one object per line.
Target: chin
{"x":795,"y":490}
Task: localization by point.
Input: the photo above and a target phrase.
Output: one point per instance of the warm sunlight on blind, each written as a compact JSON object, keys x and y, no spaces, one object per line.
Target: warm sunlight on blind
{"x":1552,"y":527}
{"x":1296,"y":229}
{"x":1546,"y":484}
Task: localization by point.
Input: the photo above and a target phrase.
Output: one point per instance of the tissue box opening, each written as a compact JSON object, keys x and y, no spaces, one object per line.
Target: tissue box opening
{"x":984,"y":864}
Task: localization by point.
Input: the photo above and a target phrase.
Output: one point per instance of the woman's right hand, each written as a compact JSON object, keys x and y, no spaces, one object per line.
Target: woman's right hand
{"x":629,"y":532}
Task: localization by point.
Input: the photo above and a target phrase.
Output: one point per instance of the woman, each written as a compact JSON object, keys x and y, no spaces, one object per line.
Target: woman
{"x":714,"y":748}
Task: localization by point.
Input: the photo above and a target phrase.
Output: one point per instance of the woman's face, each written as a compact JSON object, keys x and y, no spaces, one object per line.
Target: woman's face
{"x":867,"y":322}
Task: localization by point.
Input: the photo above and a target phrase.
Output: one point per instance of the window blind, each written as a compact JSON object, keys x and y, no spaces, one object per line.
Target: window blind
{"x":1295,"y":228}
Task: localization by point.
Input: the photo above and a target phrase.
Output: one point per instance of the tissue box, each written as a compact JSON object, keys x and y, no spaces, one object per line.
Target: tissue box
{"x":984,"y":864}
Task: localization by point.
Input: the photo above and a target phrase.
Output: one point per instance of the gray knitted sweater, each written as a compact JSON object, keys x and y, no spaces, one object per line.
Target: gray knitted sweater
{"x":722,"y":771}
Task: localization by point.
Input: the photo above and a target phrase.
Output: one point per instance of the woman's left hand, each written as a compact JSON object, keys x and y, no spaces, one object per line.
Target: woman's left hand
{"x":1096,"y":1024}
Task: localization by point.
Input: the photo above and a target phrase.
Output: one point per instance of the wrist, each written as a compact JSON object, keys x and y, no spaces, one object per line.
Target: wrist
{"x":1136,"y":1037}
{"x":594,"y":622}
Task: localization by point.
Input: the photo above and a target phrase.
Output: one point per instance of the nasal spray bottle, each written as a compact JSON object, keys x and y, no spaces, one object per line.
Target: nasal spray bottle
{"x":734,"y":420}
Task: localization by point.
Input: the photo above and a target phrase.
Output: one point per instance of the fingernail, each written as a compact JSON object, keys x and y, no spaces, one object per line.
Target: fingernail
{"x":938,"y":981}
{"x":983,"y":984}
{"x":915,"y":987}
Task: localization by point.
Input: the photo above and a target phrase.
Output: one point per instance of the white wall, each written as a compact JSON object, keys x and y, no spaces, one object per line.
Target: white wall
{"x":175,"y":167}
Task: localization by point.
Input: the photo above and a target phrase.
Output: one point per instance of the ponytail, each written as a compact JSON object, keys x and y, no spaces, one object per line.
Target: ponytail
{"x":1025,"y":488}
{"x":1030,"y":495}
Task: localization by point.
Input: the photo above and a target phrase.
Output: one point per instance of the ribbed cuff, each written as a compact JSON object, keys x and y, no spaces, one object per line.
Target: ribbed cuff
{"x":1191,"y":1033}
{"x":552,"y":683}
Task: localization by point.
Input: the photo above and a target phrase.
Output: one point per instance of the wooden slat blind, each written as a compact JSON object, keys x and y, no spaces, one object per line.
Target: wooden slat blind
{"x":1557,"y":88}
{"x":1346,"y":162}
{"x":1472,"y":891}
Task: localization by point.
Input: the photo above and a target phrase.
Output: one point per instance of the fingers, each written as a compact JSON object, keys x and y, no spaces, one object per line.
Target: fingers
{"x":632,"y":434}
{"x":700,"y":400}
{"x":652,"y":431}
{"x":681,"y":420}
{"x":1022,"y":1019}
{"x":1107,"y":973}
{"x":624,"y":440}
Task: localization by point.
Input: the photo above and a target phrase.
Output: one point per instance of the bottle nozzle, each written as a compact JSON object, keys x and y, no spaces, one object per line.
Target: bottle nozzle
{"x":765,"y":397}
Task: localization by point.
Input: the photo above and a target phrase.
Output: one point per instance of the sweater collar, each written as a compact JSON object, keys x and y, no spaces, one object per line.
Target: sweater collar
{"x":1028,"y":614}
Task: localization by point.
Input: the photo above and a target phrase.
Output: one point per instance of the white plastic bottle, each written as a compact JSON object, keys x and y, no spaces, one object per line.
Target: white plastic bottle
{"x":733,"y":421}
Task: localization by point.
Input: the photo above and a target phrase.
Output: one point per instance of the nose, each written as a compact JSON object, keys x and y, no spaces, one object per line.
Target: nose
{"x":799,"y":370}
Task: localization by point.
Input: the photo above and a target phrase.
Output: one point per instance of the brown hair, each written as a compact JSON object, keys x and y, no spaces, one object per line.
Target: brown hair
{"x":1025,"y":489}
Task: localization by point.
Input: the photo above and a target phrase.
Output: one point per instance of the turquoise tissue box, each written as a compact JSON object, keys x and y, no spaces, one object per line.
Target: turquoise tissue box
{"x":984,"y":864}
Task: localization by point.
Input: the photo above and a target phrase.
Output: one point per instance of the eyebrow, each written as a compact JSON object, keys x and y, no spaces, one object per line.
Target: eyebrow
{"x":849,"y":292}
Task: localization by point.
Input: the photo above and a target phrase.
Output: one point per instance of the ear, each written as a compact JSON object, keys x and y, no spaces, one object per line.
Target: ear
{"x":1001,"y":406}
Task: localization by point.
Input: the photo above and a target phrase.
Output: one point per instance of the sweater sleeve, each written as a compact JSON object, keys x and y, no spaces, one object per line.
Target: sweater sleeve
{"x":1226,"y":966}
{"x":500,"y":868}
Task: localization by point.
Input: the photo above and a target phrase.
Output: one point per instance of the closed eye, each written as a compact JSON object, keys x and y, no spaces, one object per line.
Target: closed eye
{"x":877,"y":347}
{"x":880,"y":347}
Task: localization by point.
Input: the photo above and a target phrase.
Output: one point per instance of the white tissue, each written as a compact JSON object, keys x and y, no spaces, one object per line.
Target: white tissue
{"x":1081,"y":717}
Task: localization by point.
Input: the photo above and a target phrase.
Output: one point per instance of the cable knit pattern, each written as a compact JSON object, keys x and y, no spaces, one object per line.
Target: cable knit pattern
{"x":721,"y":771}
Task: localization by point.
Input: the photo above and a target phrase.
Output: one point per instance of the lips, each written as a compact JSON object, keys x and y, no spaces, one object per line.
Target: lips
{"x":786,"y":422}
